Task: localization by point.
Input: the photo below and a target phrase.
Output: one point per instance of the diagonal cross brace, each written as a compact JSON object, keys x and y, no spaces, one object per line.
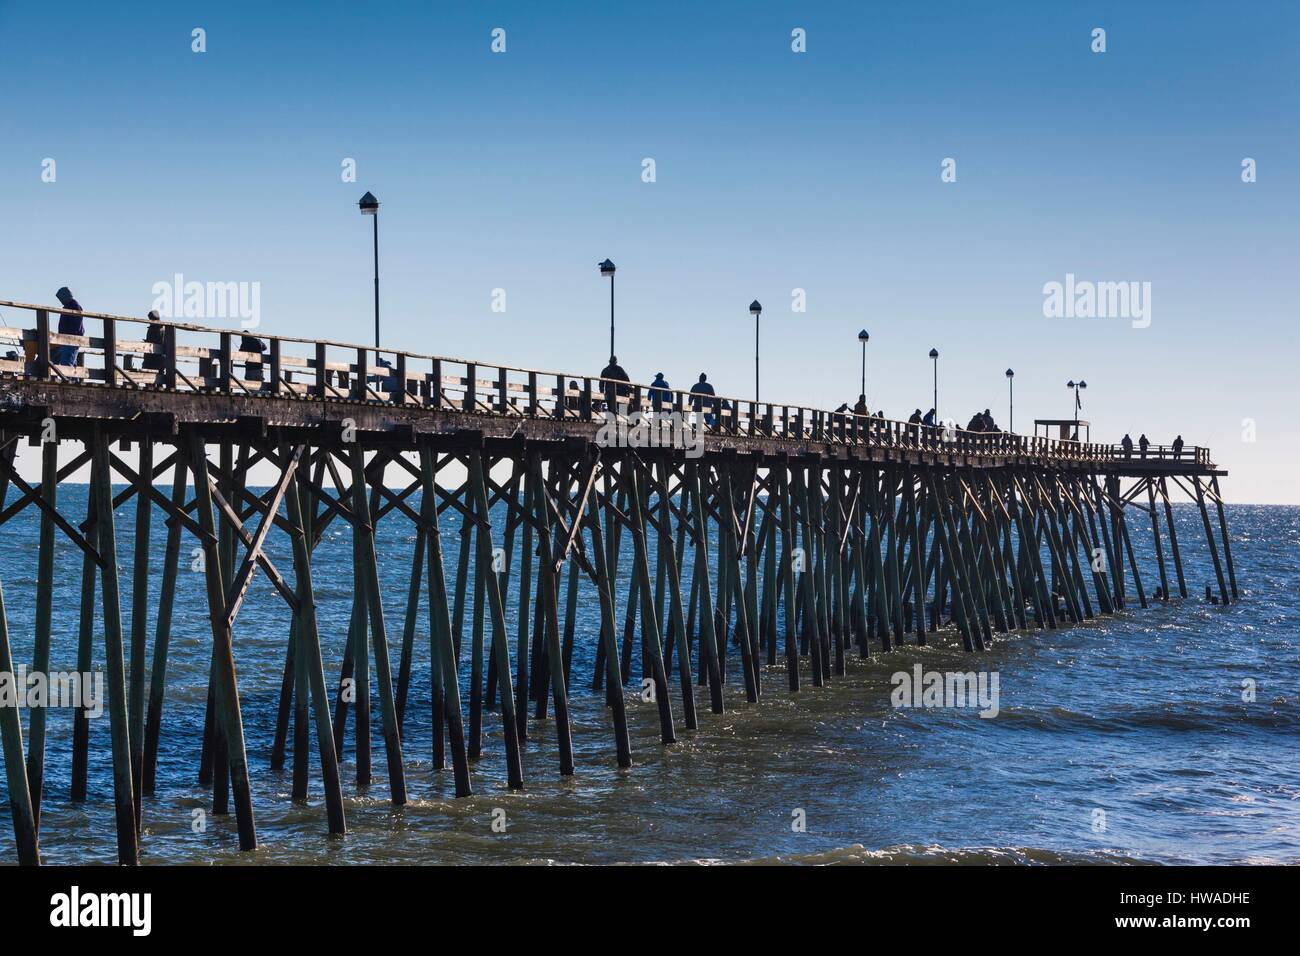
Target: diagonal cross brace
{"x":239,"y":586}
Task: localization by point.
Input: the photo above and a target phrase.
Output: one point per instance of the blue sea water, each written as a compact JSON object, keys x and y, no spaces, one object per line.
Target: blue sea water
{"x":1128,"y":739}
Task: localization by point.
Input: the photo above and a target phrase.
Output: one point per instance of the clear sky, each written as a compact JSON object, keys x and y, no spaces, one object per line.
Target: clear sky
{"x":775,"y":171}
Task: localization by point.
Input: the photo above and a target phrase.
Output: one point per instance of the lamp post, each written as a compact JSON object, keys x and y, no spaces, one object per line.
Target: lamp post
{"x":863,"y":337}
{"x":1011,"y":400}
{"x":934,"y":356}
{"x":755,"y":310}
{"x":1077,"y":404}
{"x":607,"y":269}
{"x":369,"y":206}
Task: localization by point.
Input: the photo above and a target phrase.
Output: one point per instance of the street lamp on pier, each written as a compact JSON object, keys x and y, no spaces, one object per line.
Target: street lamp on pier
{"x":1011,"y":400}
{"x":369,"y":206}
{"x":934,"y":357}
{"x":863,"y":337}
{"x":607,"y":269}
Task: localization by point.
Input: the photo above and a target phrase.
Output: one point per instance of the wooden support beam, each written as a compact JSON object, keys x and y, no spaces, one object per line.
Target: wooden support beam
{"x":307,"y":652}
{"x":44,"y":620}
{"x":364,"y":533}
{"x":441,"y":643}
{"x":1223,"y":531}
{"x":21,"y":810}
{"x":500,"y":646}
{"x":225,"y":683}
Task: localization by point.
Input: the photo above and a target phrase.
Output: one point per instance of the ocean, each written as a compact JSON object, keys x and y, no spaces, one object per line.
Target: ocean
{"x":1165,"y":735}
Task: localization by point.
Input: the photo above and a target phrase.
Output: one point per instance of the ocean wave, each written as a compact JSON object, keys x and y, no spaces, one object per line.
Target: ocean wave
{"x":1218,"y":719}
{"x":934,"y":855}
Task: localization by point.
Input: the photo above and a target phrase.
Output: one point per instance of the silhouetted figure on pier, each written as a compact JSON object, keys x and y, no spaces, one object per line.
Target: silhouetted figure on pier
{"x":929,"y":421}
{"x":68,"y":325}
{"x":1143,"y":444}
{"x":842,"y":409}
{"x":251,"y":343}
{"x":701,"y":404}
{"x":613,"y":373}
{"x":976,"y":424}
{"x":153,"y":361}
{"x":1127,"y":444}
{"x":1178,"y":447}
{"x":660,"y":390}
{"x":989,"y":424}
{"x":386,"y":382}
{"x":573,"y":397}
{"x":861,"y":407}
{"x":915,"y":426}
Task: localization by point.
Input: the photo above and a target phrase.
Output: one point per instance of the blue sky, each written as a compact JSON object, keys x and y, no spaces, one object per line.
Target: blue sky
{"x":775,"y":171}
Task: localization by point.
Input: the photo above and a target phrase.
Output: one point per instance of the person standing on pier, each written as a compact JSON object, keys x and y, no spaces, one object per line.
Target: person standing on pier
{"x":251,"y":343}
{"x":702,"y":387}
{"x":1143,"y":444}
{"x":68,"y":325}
{"x":153,"y":361}
{"x":1127,"y":444}
{"x":659,"y":393}
{"x":613,"y":373}
{"x":915,"y":422}
{"x":861,"y":407}
{"x":1178,"y":447}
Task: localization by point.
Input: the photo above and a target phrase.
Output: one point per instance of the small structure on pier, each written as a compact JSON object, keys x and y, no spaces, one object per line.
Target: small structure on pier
{"x":1067,"y":429}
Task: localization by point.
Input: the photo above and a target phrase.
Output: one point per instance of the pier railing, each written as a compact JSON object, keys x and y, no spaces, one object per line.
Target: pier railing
{"x":134,"y":353}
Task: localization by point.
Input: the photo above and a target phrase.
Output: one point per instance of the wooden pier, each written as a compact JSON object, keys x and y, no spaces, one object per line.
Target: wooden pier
{"x":761,"y":535}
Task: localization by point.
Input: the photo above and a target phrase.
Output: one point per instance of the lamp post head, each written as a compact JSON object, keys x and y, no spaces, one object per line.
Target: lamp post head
{"x":1011,"y":373}
{"x":1070,"y":384}
{"x":863,"y":336}
{"x":1083,"y":384}
{"x":607,"y":268}
{"x":934,"y":353}
{"x":368,"y":205}
{"x":755,"y":308}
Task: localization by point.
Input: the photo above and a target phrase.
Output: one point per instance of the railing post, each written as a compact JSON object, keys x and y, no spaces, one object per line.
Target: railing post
{"x":435,"y":384}
{"x":586,"y":400}
{"x":400,"y":387}
{"x":110,"y":351}
{"x":275,"y":367}
{"x":359,"y":380}
{"x":503,"y":398}
{"x":42,"y":369}
{"x":322,"y":376}
{"x":225,"y":365}
{"x":169,"y":357}
{"x":471,"y":386}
